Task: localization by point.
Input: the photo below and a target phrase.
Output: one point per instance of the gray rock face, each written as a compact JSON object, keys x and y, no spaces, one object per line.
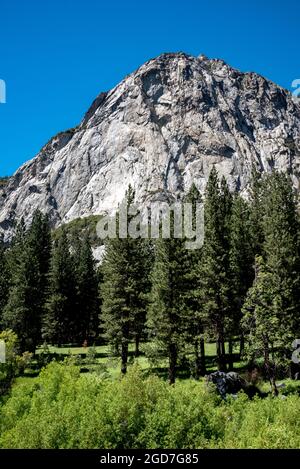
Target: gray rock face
{"x":160,"y":129}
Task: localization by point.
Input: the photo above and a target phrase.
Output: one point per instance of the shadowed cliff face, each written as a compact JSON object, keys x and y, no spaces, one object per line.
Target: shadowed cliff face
{"x":160,"y":129}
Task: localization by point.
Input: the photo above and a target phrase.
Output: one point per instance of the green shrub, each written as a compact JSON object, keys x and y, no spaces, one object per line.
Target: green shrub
{"x":62,"y":409}
{"x":14,"y":364}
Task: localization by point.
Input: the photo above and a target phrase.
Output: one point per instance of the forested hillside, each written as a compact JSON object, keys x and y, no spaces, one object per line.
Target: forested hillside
{"x":241,"y":288}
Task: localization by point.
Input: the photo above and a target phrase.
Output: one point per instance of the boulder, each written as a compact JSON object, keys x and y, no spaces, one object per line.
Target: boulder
{"x":231,"y":383}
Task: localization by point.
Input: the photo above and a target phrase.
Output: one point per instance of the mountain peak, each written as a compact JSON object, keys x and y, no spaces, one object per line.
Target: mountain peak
{"x":160,"y":129}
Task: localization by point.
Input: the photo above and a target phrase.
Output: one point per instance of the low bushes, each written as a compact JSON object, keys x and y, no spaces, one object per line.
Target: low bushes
{"x":61,"y":409}
{"x":14,"y":364}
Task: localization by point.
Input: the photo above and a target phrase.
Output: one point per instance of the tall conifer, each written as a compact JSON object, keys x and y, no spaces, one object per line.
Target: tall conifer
{"x":214,"y":273}
{"x":60,"y":321}
{"x":124,"y":289}
{"x":167,"y":313}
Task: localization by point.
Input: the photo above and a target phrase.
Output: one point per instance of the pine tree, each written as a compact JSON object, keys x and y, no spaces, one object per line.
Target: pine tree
{"x":241,"y":263}
{"x":22,"y":312}
{"x":167,"y":313}
{"x":195,"y":329}
{"x":87,"y":292}
{"x":271,"y":307}
{"x":141,"y":272}
{"x":124,"y":289}
{"x":280,"y":226}
{"x":214,"y":288}
{"x":60,"y":321}
{"x":4,"y":278}
{"x":256,"y":211}
{"x":39,"y":239}
{"x":17,"y":245}
{"x":261,"y":324}
{"x":226,"y":200}
{"x":116,"y":298}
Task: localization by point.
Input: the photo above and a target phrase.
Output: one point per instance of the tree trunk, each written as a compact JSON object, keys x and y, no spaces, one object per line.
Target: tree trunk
{"x":172,"y":363}
{"x":221,"y":359}
{"x":197,"y":361}
{"x":230,"y":353}
{"x":242,"y":346}
{"x":273,"y":385}
{"x":200,"y":364}
{"x":223,"y":350}
{"x":270,"y":371}
{"x":202,"y":357}
{"x":124,"y":357}
{"x":137,"y":346}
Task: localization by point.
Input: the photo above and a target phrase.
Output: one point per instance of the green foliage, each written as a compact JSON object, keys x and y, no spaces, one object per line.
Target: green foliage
{"x":59,"y":324}
{"x":62,"y":409}
{"x":28,"y":261}
{"x":14,"y":363}
{"x":4,"y":277}
{"x":82,"y":228}
{"x":190,"y":297}
{"x":215,"y":277}
{"x":166,"y":319}
{"x":194,"y":333}
{"x":49,"y":289}
{"x":241,"y":260}
{"x":271,"y":308}
{"x":263,"y":424}
{"x":125,"y":272}
{"x":256,"y":211}
{"x":87,"y":304}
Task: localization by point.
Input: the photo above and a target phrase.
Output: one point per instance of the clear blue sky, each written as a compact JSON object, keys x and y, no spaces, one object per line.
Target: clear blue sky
{"x":57,"y":55}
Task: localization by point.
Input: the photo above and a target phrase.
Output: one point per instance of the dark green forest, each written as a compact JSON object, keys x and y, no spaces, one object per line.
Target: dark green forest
{"x":241,"y":287}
